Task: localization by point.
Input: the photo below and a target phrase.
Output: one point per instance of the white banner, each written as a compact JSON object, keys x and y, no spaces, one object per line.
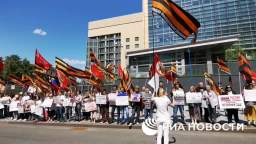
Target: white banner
{"x":47,"y":103}
{"x":179,"y":100}
{"x":112,"y":98}
{"x":250,"y":95}
{"x":231,"y":102}
{"x":122,"y":99}
{"x":90,"y":106}
{"x":101,"y":99}
{"x":193,"y":97}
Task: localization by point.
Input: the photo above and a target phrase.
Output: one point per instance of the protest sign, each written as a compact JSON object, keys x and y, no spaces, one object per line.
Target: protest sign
{"x":122,"y":99}
{"x":101,"y":99}
{"x":135,"y":97}
{"x":47,"y":103}
{"x":193,"y":97}
{"x":112,"y":98}
{"x":231,"y":102}
{"x":90,"y":106}
{"x":250,"y":95}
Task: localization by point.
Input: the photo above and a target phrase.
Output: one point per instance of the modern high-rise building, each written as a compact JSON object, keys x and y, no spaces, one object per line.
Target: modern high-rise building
{"x":226,"y":25}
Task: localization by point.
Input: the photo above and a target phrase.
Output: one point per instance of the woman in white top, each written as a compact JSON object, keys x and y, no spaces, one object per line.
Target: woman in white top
{"x":209,"y":103}
{"x":162,"y":116}
{"x":179,"y":102}
{"x":14,"y":107}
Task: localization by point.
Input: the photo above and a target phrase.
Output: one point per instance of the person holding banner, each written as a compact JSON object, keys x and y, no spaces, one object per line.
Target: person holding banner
{"x":101,"y":101}
{"x":136,"y":106}
{"x":112,"y":102}
{"x":193,"y":99}
{"x":209,"y":103}
{"x":178,"y":101}
{"x":231,"y":112}
{"x":146,"y":97}
{"x":14,"y":107}
{"x":122,"y":102}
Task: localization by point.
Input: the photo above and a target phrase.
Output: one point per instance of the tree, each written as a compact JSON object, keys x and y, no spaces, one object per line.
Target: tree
{"x":15,"y":65}
{"x":232,"y":53}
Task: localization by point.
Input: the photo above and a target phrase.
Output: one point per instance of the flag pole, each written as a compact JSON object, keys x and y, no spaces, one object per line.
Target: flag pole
{"x":240,"y":85}
{"x":219,"y":83}
{"x":153,"y":28}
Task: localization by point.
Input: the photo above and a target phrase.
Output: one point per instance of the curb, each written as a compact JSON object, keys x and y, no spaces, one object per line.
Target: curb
{"x":112,"y":126}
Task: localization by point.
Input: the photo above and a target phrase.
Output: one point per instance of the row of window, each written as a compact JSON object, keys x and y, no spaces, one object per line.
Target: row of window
{"x":135,"y":39}
{"x":136,"y":46}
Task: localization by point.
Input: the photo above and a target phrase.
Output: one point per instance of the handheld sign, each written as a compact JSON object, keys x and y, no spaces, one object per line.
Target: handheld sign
{"x":112,"y":98}
{"x":135,"y":97}
{"x":193,"y":97}
{"x":250,"y":95}
{"x":179,"y":97}
{"x":122,"y":99}
{"x":231,"y":102}
{"x":101,"y":99}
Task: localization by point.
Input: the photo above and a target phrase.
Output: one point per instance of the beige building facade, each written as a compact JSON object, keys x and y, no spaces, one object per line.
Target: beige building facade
{"x":112,"y":38}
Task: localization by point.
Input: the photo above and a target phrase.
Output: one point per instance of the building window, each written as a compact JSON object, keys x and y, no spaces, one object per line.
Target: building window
{"x":137,"y":45}
{"x":137,"y":38}
{"x":127,"y":39}
{"x":127,"y":46}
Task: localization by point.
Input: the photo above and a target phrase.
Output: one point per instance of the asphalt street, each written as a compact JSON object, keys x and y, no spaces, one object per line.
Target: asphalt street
{"x":29,"y":134}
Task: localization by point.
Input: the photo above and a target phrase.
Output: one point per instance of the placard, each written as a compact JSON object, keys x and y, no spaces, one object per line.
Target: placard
{"x":31,"y":89}
{"x":101,"y":99}
{"x":179,"y":100}
{"x":250,"y":95}
{"x":12,"y":87}
{"x":90,"y":106}
{"x":112,"y":98}
{"x":122,"y":99}
{"x":194,"y":97}
{"x":231,"y":102}
{"x":135,"y":97}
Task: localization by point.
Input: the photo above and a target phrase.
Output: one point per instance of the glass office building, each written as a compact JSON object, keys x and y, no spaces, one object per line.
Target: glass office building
{"x":218,"y":18}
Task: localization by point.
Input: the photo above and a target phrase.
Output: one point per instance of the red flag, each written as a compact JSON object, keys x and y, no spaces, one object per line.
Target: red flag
{"x":63,"y":79}
{"x":97,"y":72}
{"x":41,"y":61}
{"x":1,"y":65}
{"x":120,"y":72}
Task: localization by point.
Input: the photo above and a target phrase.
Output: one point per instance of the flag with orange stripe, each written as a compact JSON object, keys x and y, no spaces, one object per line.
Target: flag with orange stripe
{"x":178,"y":19}
{"x":212,"y":83}
{"x":245,"y":68}
{"x":222,"y":66}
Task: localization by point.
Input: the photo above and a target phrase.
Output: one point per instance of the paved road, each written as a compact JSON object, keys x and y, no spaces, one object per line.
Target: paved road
{"x":28,"y":134}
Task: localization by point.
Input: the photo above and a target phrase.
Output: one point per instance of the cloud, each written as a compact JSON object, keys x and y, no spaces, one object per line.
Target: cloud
{"x":74,"y":62}
{"x":40,"y":32}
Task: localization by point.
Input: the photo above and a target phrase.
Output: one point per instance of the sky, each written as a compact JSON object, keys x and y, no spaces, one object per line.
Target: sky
{"x":54,"y":27}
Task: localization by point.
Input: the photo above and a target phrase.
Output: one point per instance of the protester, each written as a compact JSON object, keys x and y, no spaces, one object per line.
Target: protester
{"x":112,"y":102}
{"x":200,"y":88}
{"x":104,"y":108}
{"x":78,"y":107}
{"x":1,"y":108}
{"x":15,"y":102}
{"x":86,"y":100}
{"x":231,"y":112}
{"x":67,"y":104}
{"x":162,"y":116}
{"x":209,"y":103}
{"x":147,"y":96}
{"x":194,"y":108}
{"x":122,"y":111}
{"x":250,"y":109}
{"x":179,"y":102}
{"x":136,"y":106}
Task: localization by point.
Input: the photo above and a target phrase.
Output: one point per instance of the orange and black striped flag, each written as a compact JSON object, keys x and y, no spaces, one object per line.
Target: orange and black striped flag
{"x":245,"y":68}
{"x":212,"y":83}
{"x":171,"y":73}
{"x":178,"y":19}
{"x":16,"y":80}
{"x":222,"y":66}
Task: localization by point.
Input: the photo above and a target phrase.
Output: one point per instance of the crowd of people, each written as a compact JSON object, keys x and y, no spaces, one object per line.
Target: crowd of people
{"x":76,"y":106}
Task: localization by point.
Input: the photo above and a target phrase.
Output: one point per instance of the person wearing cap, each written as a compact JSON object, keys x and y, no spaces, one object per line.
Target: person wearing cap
{"x":163,"y":117}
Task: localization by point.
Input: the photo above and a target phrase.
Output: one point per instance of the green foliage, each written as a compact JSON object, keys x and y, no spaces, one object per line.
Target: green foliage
{"x":232,"y":53}
{"x":15,"y":65}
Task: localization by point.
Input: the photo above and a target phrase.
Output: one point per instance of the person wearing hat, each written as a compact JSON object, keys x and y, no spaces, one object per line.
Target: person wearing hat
{"x":163,"y":118}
